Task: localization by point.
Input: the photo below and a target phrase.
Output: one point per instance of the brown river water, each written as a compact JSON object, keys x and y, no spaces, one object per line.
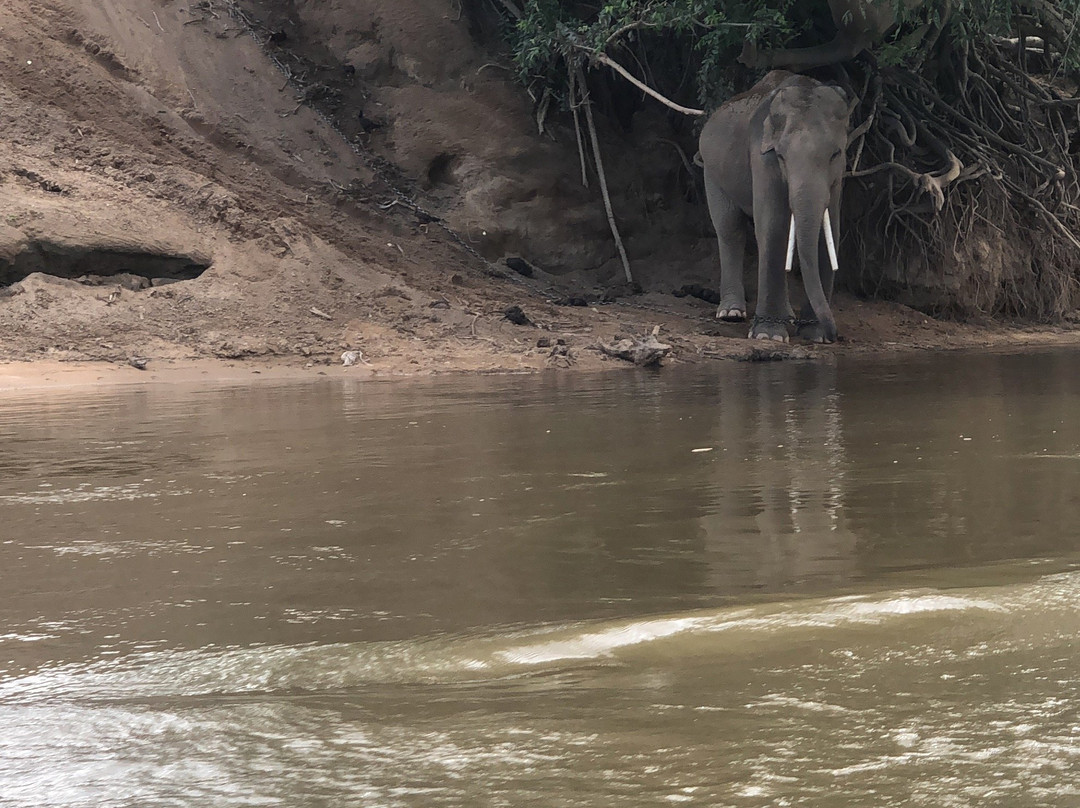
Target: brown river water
{"x":851,"y":584}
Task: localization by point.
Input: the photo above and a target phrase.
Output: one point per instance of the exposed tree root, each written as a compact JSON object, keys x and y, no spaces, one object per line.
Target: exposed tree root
{"x":933,"y":154}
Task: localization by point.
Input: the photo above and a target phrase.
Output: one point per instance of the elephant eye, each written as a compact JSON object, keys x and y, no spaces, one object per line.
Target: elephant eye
{"x":836,"y":155}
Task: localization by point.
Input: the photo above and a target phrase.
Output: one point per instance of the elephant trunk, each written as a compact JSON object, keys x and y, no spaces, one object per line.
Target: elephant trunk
{"x":808,"y":225}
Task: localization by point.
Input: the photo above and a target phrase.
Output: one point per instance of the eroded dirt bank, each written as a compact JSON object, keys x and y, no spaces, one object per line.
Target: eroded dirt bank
{"x":165,"y":194}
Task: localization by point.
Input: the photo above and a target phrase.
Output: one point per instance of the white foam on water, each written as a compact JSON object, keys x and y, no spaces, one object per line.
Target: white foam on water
{"x":599,"y":644}
{"x":552,"y":649}
{"x":776,"y":699}
{"x":88,"y":493}
{"x":13,"y":637}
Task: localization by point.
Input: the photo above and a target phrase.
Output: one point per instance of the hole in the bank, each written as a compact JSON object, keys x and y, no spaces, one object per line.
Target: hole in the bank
{"x":441,"y":169}
{"x":95,"y":265}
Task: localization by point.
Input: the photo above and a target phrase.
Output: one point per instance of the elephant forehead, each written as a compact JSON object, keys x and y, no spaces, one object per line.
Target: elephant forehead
{"x":815,"y":101}
{"x":812,"y":119}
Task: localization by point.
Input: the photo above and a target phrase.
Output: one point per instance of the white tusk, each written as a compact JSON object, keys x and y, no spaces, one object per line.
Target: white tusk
{"x":828,"y":241}
{"x":790,"y":245}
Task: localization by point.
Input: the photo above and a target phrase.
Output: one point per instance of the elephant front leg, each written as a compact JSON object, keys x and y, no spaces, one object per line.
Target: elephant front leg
{"x":773,"y":311}
{"x":730,"y":225}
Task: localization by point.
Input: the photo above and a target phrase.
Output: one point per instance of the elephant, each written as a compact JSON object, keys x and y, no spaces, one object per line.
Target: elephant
{"x":775,"y":155}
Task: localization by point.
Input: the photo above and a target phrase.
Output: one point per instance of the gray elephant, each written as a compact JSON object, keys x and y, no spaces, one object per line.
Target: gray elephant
{"x":775,"y":155}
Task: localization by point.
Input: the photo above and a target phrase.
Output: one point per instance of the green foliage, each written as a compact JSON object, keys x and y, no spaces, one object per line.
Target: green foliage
{"x":702,"y":39}
{"x":706,"y":34}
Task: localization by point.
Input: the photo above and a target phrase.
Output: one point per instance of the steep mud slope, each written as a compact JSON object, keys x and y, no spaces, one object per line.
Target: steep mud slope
{"x":427,"y":85}
{"x":173,"y":186}
{"x":162,"y":192}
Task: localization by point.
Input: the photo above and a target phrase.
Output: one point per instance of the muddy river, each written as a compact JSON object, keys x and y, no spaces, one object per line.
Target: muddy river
{"x":761,"y":585}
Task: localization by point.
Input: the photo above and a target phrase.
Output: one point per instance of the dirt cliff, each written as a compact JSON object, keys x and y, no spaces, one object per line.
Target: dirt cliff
{"x":183,"y":179}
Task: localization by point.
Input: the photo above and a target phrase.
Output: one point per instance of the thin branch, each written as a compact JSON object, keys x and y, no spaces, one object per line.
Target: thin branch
{"x":603,"y":179}
{"x":682,"y":155}
{"x":645,"y":88}
{"x":633,"y":26}
{"x":577,"y":126}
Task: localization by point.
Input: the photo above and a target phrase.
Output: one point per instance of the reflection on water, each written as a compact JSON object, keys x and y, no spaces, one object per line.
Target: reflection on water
{"x":804,"y":584}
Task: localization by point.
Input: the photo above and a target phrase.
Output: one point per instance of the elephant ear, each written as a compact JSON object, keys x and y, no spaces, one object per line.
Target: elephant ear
{"x":773,"y":125}
{"x":850,"y":100}
{"x":840,"y":91}
{"x":770,"y":132}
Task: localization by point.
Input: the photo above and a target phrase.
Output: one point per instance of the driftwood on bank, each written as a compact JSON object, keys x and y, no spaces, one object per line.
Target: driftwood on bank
{"x":645,"y":352}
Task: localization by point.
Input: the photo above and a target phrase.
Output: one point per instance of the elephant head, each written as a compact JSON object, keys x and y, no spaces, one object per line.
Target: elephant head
{"x":805,"y":129}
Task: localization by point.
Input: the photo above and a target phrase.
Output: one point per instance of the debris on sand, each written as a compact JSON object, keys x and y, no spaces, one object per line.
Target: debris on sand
{"x":350,"y":358}
{"x":644,"y":352}
{"x":138,"y":362}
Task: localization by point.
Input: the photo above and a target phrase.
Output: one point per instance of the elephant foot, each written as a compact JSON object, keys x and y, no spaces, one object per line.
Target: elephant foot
{"x":770,"y":328}
{"x":731,"y":311}
{"x":813,"y":332}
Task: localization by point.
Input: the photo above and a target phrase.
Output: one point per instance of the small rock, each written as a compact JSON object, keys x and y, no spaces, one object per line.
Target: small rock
{"x":138,"y":362}
{"x":700,"y":292}
{"x":367,"y":124}
{"x":520,"y":266}
{"x":131,"y":282}
{"x":613,"y":293}
{"x":392,"y":291}
{"x":515,"y":315}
